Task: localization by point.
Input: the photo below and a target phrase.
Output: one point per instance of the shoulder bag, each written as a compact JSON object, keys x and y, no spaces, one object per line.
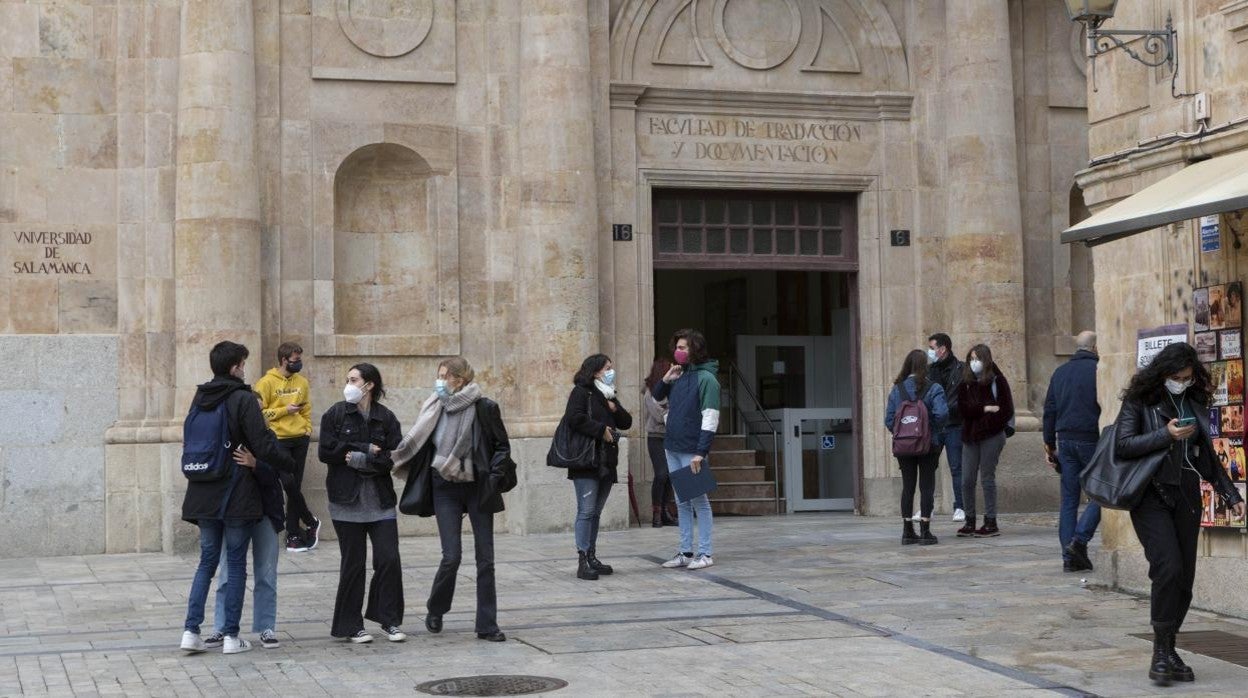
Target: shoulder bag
{"x":571,"y":449}
{"x":1118,"y":483}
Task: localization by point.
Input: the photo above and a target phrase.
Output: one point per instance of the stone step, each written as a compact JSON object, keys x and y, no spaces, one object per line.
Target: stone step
{"x":740,"y":473}
{"x":728,"y":442}
{"x":744,"y":490}
{"x":732,"y":458}
{"x":745,"y":507}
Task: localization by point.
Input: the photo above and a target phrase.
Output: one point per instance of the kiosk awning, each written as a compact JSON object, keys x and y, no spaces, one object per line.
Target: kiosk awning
{"x":1205,"y":188}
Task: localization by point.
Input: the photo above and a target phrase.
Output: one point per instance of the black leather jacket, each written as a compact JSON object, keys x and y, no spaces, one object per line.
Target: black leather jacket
{"x":1142,"y":430}
{"x":343,"y":430}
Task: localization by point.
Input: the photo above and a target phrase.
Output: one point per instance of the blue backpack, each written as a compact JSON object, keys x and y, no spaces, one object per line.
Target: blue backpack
{"x":207,"y":454}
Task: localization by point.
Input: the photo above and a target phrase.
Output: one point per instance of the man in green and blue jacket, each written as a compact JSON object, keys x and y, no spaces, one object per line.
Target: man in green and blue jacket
{"x":692,"y":391}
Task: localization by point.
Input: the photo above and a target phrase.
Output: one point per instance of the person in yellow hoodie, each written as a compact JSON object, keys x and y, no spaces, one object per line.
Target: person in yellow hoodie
{"x":287,"y":401}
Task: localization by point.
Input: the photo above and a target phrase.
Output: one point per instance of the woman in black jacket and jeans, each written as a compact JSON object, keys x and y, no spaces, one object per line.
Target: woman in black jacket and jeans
{"x":1173,"y":388}
{"x":357,"y":436}
{"x":594,"y":411}
{"x":460,"y":435}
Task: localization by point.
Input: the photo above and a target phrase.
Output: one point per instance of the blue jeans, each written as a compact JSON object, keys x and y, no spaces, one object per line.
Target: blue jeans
{"x":953,"y":453}
{"x":699,"y":506}
{"x":591,"y":497}
{"x":213,"y":534}
{"x":264,"y":568}
{"x":1073,"y":457}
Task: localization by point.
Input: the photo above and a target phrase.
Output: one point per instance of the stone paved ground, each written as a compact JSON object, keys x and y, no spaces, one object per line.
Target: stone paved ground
{"x":804,"y":604}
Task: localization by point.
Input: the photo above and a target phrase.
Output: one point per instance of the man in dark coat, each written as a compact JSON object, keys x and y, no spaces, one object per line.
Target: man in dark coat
{"x":945,"y":369}
{"x":225,"y":509}
{"x":1072,"y":414}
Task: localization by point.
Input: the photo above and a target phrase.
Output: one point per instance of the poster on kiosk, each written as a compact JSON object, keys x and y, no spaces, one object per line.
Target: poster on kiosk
{"x":1217,"y":334}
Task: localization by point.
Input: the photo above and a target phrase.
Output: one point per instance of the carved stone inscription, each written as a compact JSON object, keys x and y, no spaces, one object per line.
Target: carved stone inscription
{"x":753,"y":140}
{"x":53,"y":253}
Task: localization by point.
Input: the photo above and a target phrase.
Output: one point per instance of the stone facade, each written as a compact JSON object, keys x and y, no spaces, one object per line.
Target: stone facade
{"x":401,"y":181}
{"x":1147,"y":280}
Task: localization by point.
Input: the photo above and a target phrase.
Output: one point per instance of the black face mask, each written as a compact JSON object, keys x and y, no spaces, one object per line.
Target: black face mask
{"x":294,"y":366}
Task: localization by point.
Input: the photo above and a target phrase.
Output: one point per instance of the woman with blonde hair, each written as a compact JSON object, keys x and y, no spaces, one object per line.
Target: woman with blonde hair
{"x":460,"y":436}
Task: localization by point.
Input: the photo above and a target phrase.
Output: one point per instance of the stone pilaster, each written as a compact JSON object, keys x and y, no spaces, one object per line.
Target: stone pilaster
{"x":984,"y":243}
{"x":557,"y":250}
{"x":217,"y":221}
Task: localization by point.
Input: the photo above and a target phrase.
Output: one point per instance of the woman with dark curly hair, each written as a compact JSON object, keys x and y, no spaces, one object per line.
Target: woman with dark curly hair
{"x":1166,"y":408}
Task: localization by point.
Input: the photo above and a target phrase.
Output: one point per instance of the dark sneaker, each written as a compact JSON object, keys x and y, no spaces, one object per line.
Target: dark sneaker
{"x":269,"y":641}
{"x":214,"y":641}
{"x":393,"y":633}
{"x":1069,"y":566}
{"x":295,"y":544}
{"x":360,"y":637}
{"x":968,"y":529}
{"x":988,"y":530}
{"x":312,"y":535}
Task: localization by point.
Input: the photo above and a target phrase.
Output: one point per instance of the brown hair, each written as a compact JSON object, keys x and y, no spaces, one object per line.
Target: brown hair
{"x":658,"y":369}
{"x":697,"y":345}
{"x":286,"y":350}
{"x":914,"y":365}
{"x":984,"y":354}
{"x":458,"y":366}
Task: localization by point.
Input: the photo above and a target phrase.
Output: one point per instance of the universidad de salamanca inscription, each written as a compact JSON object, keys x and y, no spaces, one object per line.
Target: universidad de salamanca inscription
{"x":755,"y":140}
{"x":49,"y":253}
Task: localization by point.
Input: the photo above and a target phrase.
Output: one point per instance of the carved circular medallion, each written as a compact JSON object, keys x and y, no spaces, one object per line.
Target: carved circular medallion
{"x":758,"y":34}
{"x":386,"y":28}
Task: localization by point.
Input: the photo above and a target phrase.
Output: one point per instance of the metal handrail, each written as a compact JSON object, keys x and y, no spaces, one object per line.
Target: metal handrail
{"x":735,"y":378}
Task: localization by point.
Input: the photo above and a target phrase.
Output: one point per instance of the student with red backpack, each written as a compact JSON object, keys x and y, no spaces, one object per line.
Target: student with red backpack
{"x":915,"y":415}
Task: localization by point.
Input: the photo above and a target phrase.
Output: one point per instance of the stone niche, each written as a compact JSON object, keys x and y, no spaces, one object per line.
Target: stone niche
{"x":387,"y":246}
{"x":385,"y":259}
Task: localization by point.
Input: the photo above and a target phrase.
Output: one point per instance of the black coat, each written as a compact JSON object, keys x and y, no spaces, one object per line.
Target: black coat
{"x":948,"y":372}
{"x":343,"y":430}
{"x":491,"y":459}
{"x":204,"y":500}
{"x":1141,"y":430}
{"x":588,"y":414}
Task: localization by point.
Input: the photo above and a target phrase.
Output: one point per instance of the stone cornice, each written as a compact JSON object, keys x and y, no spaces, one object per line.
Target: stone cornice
{"x":854,"y":106}
{"x":1093,"y":180}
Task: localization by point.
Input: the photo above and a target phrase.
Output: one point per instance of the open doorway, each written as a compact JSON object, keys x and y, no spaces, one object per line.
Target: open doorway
{"x":770,"y":280}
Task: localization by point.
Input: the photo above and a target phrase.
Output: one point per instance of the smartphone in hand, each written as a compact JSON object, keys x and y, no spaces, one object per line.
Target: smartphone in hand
{"x":1186,"y":422}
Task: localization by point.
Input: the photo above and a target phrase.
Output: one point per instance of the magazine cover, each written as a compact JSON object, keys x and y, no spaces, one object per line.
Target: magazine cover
{"x":1240,"y":521}
{"x":1236,"y":465}
{"x":1221,"y":513}
{"x":1217,"y":307}
{"x":1217,"y":384}
{"x":1235,"y":381}
{"x":1232,"y":421}
{"x":1207,"y":346}
{"x":1206,"y":503}
{"x":1200,"y":301}
{"x":1222,"y":454}
{"x":1234,"y":302}
{"x":1230,"y":345}
{"x":1215,"y":422}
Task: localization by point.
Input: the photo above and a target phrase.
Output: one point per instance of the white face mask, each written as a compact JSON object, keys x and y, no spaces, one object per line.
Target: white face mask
{"x":931,"y":356}
{"x":1178,"y":387}
{"x":352,"y":393}
{"x":977,"y":366}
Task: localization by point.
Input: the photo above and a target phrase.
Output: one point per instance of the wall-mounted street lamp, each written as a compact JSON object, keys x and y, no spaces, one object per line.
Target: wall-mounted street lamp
{"x":1159,"y":44}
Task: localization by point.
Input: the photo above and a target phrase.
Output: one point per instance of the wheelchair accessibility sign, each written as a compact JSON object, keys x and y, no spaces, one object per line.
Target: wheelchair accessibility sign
{"x":827,"y":443}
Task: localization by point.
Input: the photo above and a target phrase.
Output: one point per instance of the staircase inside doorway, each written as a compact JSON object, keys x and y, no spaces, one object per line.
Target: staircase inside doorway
{"x":747,"y":485}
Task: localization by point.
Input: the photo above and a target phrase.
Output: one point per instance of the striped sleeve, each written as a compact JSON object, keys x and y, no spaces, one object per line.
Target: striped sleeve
{"x":708,"y":404}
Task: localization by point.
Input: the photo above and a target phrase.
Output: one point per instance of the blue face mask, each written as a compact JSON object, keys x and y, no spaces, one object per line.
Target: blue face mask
{"x":441,"y":389}
{"x":609,"y":377}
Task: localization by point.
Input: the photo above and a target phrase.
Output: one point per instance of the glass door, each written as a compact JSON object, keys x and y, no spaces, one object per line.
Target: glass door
{"x":819,"y":454}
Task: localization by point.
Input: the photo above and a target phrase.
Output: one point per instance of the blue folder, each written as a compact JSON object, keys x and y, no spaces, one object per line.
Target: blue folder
{"x":688,"y":485}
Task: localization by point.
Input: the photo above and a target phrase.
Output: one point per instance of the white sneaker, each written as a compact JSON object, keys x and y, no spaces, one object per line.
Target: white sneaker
{"x":360,"y":637}
{"x":959,"y":515}
{"x":191,"y":642}
{"x":393,"y":633}
{"x":681,"y":560}
{"x":235,"y":645}
{"x":701,"y":562}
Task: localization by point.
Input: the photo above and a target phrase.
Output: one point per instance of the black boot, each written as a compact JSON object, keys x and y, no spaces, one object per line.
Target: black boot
{"x":656,"y":518}
{"x":1179,"y":670}
{"x":1159,"y":669}
{"x":669,"y":517}
{"x":925,"y":533}
{"x":907,"y":533}
{"x":583,"y":569}
{"x":597,"y":565}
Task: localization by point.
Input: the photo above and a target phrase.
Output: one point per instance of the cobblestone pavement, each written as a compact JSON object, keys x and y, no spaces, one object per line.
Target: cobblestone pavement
{"x":803,"y":604}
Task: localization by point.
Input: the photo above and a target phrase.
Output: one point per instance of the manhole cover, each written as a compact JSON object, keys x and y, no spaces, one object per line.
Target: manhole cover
{"x":491,"y":685}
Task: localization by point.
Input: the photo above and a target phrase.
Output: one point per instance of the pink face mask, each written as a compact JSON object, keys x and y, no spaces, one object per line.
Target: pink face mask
{"x":681,"y":356}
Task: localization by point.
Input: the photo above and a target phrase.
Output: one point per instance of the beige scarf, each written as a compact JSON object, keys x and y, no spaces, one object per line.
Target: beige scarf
{"x":453,"y":457}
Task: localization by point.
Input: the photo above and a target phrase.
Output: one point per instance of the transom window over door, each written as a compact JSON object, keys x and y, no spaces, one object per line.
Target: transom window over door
{"x":750,"y":229}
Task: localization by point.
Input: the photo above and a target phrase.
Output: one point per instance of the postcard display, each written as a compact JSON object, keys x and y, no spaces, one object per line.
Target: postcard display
{"x":1218,"y":334}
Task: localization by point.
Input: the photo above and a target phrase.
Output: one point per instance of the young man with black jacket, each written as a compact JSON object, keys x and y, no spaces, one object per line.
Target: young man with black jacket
{"x":1073,"y":414}
{"x":226,"y":509}
{"x":945,"y":369}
